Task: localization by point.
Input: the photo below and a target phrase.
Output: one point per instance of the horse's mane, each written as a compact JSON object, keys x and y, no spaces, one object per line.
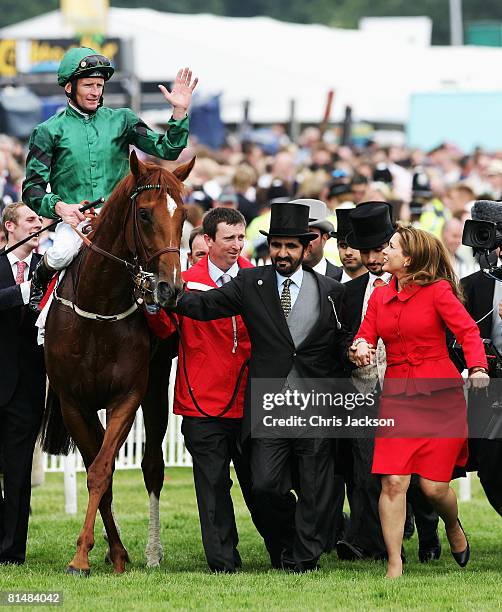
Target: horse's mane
{"x":151,"y":174}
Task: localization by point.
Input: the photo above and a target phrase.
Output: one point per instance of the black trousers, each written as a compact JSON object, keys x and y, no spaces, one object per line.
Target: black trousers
{"x":20,"y":422}
{"x":301,"y":531}
{"x":485,"y":454}
{"x":365,"y":528}
{"x":213,"y":443}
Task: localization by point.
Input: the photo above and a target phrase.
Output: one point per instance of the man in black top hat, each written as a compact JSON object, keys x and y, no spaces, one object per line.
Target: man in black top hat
{"x":484,"y":303}
{"x":291,"y":314}
{"x":372,"y":228}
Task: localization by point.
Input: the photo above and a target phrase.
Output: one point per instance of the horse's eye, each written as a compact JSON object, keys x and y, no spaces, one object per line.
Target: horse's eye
{"x":144,"y":214}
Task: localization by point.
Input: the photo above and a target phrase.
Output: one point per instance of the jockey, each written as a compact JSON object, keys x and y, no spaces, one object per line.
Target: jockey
{"x":83,"y":152}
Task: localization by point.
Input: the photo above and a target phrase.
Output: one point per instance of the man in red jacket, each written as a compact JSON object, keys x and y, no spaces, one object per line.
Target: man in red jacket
{"x":209,"y":391}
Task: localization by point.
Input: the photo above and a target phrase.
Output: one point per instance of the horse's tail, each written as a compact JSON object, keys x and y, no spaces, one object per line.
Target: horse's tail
{"x":54,"y":437}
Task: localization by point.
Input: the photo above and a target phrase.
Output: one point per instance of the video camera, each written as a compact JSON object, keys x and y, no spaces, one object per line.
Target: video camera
{"x":482,"y":236}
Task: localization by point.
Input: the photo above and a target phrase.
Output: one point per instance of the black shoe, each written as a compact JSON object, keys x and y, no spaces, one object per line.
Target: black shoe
{"x":429,"y":550}
{"x":462,"y":558}
{"x":39,"y":283}
{"x":218,"y":569}
{"x":303,"y":568}
{"x":11,"y":561}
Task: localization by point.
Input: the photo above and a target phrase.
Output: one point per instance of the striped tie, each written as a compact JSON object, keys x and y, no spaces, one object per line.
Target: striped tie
{"x":224,"y":279}
{"x":286,"y":297}
{"x":21,"y":267}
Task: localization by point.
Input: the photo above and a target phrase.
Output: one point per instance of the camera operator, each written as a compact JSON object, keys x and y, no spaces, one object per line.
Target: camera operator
{"x":484,"y":303}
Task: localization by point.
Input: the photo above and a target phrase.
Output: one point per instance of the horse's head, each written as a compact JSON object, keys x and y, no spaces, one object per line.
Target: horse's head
{"x":156,"y":224}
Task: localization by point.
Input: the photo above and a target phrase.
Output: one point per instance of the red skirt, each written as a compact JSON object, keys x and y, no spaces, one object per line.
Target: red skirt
{"x":429,"y":437}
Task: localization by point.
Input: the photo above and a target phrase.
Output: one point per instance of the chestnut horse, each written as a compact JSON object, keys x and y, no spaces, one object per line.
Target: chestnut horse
{"x":98,"y":346}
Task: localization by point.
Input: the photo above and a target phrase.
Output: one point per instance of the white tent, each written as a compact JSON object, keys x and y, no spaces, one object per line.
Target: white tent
{"x":269,"y":63}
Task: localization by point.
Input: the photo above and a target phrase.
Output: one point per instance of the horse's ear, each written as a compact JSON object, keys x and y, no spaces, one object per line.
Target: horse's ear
{"x":184,"y":170}
{"x":134,"y":164}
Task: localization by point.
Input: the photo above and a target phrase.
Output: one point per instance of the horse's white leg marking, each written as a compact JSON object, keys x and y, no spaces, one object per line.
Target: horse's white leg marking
{"x":154,"y":552}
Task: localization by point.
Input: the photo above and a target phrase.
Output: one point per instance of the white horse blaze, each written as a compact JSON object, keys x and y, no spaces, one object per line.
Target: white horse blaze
{"x":171,"y":205}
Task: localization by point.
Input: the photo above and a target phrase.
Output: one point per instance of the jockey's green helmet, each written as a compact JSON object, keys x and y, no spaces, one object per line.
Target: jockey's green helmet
{"x":81,"y":62}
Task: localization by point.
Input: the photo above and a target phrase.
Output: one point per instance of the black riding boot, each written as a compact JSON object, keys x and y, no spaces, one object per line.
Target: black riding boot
{"x":39,"y":283}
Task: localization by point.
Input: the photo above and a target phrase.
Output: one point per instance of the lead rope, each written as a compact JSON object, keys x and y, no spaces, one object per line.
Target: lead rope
{"x":185,"y":372}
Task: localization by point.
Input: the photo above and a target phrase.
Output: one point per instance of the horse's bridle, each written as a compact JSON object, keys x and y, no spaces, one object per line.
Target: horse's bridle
{"x":142,"y":279}
{"x":137,"y":233}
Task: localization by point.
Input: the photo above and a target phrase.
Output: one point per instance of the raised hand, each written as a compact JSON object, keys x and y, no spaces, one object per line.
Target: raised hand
{"x":181,"y":94}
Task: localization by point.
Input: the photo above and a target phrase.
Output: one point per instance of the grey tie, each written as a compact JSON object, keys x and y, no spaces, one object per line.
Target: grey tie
{"x":224,"y":279}
{"x":286,"y":297}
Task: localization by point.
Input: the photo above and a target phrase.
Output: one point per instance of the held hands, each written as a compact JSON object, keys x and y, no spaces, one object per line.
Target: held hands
{"x":69,"y":213}
{"x":478,"y":380}
{"x":362,"y":354}
{"x":181,"y":94}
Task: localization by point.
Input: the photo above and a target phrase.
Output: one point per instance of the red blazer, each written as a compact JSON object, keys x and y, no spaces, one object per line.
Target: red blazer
{"x":412,"y":325}
{"x":215,"y":351}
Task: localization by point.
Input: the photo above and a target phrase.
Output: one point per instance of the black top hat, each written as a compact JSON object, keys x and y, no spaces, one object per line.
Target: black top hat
{"x":343,"y":225}
{"x":288,"y":219}
{"x":371,"y":225}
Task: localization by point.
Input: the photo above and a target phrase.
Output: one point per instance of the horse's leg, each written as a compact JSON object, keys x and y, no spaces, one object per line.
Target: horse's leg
{"x":116,"y":554}
{"x":155,"y":416}
{"x":99,"y":478}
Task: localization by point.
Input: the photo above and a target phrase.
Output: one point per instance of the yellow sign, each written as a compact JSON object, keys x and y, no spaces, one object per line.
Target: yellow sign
{"x":85,"y":16}
{"x":7,"y":58}
{"x":48,"y":53}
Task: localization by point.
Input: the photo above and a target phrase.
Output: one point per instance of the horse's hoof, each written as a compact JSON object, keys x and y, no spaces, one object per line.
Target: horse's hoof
{"x":82,"y":573}
{"x":150,"y":564}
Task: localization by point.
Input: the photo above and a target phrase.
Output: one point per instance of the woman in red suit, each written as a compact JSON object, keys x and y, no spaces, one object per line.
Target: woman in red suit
{"x":422,"y":388}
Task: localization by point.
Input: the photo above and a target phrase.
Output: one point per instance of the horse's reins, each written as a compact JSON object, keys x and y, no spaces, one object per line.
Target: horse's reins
{"x":189,"y":386}
{"x":141,"y":278}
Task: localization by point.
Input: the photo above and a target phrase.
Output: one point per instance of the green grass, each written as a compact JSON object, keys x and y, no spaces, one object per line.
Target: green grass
{"x":183,"y":581}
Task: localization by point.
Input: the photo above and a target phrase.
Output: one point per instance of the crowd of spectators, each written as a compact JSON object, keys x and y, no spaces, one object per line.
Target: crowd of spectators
{"x":432,"y":189}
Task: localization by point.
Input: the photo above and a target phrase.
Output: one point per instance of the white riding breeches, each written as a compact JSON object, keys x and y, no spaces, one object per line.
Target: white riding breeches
{"x":65,"y":247}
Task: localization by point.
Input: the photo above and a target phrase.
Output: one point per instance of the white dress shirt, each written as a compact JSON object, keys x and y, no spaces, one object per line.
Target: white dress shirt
{"x":294,"y":287}
{"x":215,"y":273}
{"x":345,"y":277}
{"x":25,"y":285}
{"x":321,"y":267}
{"x":496,"y":320}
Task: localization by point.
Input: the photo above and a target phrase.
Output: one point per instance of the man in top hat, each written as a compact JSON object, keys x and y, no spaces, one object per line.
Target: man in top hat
{"x":291,"y":314}
{"x":319,"y":223}
{"x":352,"y":265}
{"x":484,"y":303}
{"x":372,"y":228}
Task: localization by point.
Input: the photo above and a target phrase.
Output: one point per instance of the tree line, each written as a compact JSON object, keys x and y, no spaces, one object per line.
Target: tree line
{"x":338,"y":13}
